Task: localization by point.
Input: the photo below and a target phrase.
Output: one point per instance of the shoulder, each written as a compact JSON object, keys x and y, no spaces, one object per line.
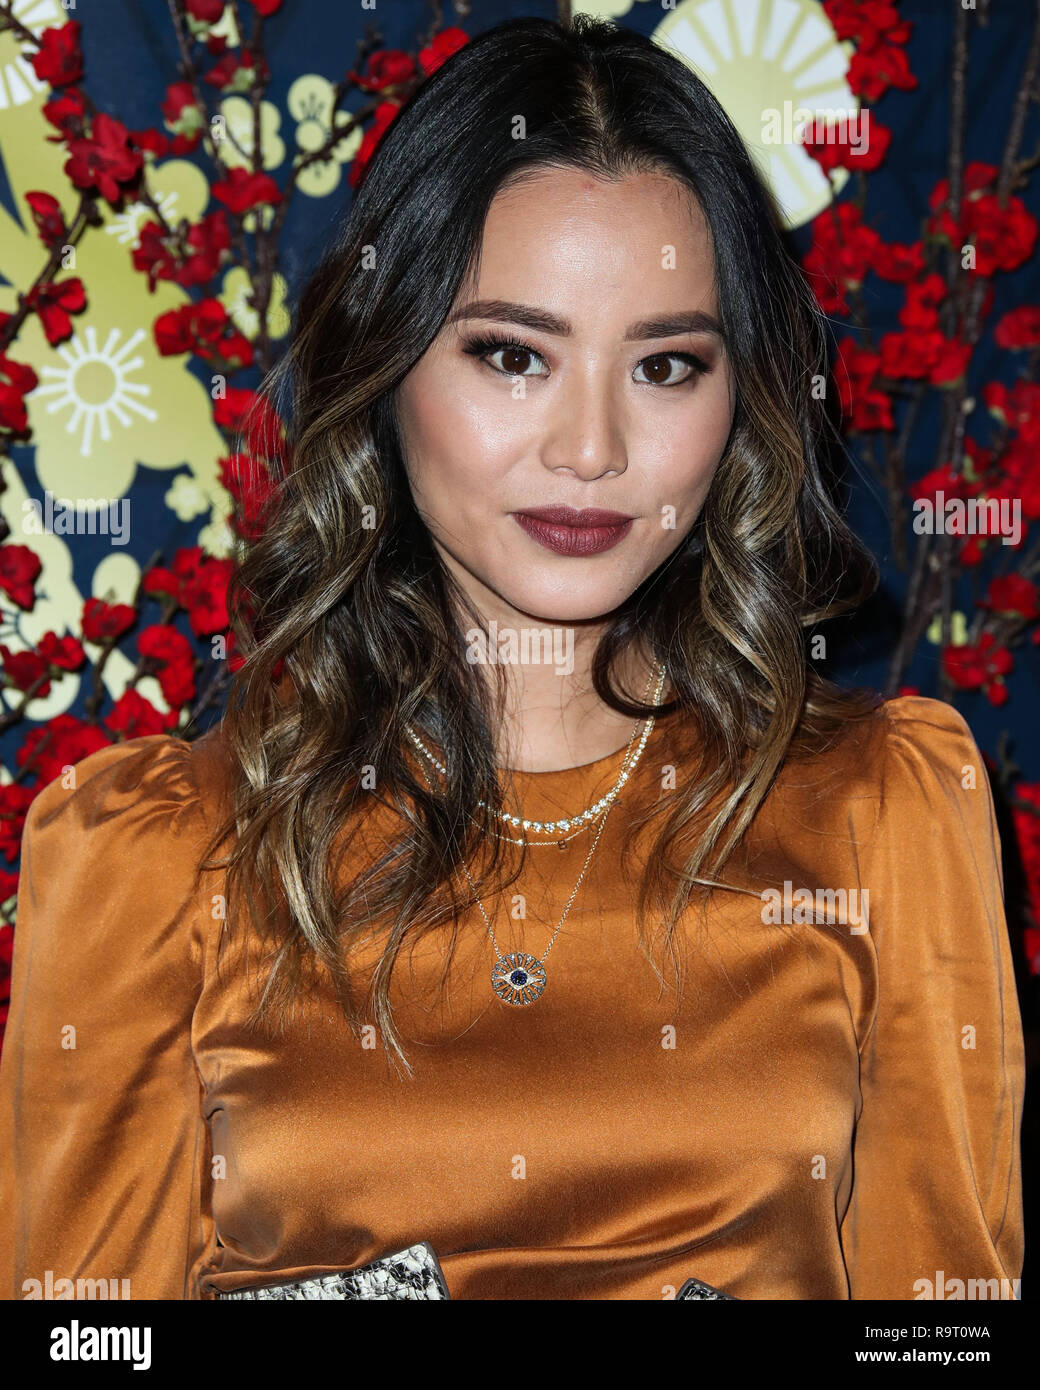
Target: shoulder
{"x":114,"y":860}
{"x":927,"y":743}
{"x":157,"y":782}
{"x":894,"y":775}
{"x":900,"y":737}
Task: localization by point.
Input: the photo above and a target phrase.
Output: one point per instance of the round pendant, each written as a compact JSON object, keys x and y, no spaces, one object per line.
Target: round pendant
{"x":518,"y":979}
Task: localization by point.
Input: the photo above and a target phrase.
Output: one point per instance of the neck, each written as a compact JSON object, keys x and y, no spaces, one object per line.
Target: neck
{"x":552,"y":718}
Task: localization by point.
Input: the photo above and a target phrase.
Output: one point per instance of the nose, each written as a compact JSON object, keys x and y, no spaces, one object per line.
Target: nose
{"x":584,"y":431}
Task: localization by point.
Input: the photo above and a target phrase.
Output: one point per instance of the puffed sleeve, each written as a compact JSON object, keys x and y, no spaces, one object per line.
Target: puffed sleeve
{"x":936,"y":1193}
{"x":103,"y":1148}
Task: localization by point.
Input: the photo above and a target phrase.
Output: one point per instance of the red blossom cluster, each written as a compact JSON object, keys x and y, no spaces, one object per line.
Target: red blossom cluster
{"x":391,"y":69}
{"x":108,"y":161}
{"x":204,"y":329}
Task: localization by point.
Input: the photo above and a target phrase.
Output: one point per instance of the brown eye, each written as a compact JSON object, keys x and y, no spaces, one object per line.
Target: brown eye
{"x":658,"y":369}
{"x":515,"y":361}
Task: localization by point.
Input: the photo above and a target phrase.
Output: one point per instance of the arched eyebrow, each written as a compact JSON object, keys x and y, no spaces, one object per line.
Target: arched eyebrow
{"x":664,"y":326}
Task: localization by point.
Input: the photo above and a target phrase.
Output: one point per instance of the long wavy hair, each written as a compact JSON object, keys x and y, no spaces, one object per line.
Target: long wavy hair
{"x":344,"y":597}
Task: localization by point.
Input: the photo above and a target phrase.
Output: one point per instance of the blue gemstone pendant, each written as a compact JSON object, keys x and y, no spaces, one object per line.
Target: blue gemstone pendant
{"x":518,"y":979}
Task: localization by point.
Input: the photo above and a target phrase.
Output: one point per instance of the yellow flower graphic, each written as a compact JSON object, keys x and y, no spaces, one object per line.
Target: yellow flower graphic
{"x":236,"y":145}
{"x":310,"y":103}
{"x":235,"y":299}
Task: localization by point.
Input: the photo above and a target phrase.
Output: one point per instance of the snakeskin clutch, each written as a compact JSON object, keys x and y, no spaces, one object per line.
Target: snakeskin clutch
{"x":694,"y":1288}
{"x":411,"y":1273}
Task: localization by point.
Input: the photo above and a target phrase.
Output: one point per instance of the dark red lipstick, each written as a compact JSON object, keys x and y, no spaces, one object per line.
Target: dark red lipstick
{"x":566,"y":531}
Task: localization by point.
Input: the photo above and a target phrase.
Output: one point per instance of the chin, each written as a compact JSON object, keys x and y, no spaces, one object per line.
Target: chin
{"x":564,"y":602}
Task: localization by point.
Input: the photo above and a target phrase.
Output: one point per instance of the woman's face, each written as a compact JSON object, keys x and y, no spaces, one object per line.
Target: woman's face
{"x":579,"y":371}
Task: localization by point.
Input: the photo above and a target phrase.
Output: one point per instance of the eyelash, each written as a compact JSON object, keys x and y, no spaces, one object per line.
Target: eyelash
{"x":483,"y":347}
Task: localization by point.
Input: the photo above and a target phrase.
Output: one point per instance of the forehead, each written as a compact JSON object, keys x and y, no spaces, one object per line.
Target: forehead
{"x":644,"y":233}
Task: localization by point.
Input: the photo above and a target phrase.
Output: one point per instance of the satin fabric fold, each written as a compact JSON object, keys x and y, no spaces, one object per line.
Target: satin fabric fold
{"x":826,"y":1112}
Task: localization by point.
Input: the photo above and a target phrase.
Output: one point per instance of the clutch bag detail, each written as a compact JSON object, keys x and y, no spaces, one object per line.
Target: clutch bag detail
{"x":411,"y":1273}
{"x":695,"y":1288}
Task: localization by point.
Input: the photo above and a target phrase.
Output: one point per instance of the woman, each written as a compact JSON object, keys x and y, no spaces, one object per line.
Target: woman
{"x":527,"y":673}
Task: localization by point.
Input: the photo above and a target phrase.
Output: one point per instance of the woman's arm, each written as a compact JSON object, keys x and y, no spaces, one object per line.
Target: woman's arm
{"x":936,"y":1169}
{"x":103,"y":1148}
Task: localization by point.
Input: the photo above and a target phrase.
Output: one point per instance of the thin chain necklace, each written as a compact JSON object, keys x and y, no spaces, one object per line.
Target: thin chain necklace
{"x":585,"y":818}
{"x":520,"y":978}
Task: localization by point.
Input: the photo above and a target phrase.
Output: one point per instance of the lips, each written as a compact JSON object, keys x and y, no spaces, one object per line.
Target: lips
{"x":567,"y":531}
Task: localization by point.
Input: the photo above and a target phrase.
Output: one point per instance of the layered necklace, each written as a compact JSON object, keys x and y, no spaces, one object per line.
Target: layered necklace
{"x":518,"y":977}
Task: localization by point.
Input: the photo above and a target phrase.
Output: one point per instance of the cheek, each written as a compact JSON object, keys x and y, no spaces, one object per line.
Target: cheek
{"x":683,"y":448}
{"x":457,"y":439}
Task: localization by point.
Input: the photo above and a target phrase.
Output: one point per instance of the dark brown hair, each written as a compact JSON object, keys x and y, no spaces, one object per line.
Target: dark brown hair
{"x":354,"y":604}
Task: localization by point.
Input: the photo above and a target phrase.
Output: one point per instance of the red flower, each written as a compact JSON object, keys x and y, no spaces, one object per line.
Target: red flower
{"x":855,"y":369}
{"x":68,"y":741}
{"x":163,"y":643}
{"x":181,"y":112}
{"x":17,"y":379}
{"x":1019,"y":478}
{"x":265,"y":7}
{"x":1018,"y":408}
{"x":237,"y":74}
{"x":385,"y":113}
{"x":1004,"y":237}
{"x":105,"y":622}
{"x":19,"y":568}
{"x":208,"y":241}
{"x":47,"y":214}
{"x":897,"y":262}
{"x":105,"y":160}
{"x":1031,"y":943}
{"x":153,"y":255}
{"x":911,"y":354}
{"x":24,"y":669}
{"x":942,"y":479}
{"x":15,"y":800}
{"x":134,"y":717}
{"x":160,"y":580}
{"x":1019,"y":328}
{"x":66,"y":652}
{"x":843,"y":250}
{"x":204,"y":329}
{"x":921,"y":305}
{"x":243,"y":190}
{"x":53,"y":303}
{"x":177,"y":682}
{"x":951,"y":362}
{"x":204,"y":595}
{"x":58,"y":60}
{"x":844,"y":154}
{"x":873,"y":71}
{"x":242,"y":411}
{"x":867,"y":22}
{"x":198,"y":583}
{"x":67,"y":113}
{"x":444,"y":44}
{"x":1012,"y":593}
{"x":1027,"y":832}
{"x":252,"y":487}
{"x":985,"y":665}
{"x":388,"y":68}
{"x":205,"y":11}
{"x":171,"y":652}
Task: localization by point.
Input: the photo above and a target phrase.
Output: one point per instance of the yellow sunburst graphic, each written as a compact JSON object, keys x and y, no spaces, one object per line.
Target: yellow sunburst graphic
{"x":96,"y":387}
{"x":765,"y":61}
{"x":18,"y":83}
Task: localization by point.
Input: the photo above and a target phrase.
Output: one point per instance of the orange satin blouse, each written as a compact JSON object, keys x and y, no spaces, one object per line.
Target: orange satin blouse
{"x":830,"y":1110}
